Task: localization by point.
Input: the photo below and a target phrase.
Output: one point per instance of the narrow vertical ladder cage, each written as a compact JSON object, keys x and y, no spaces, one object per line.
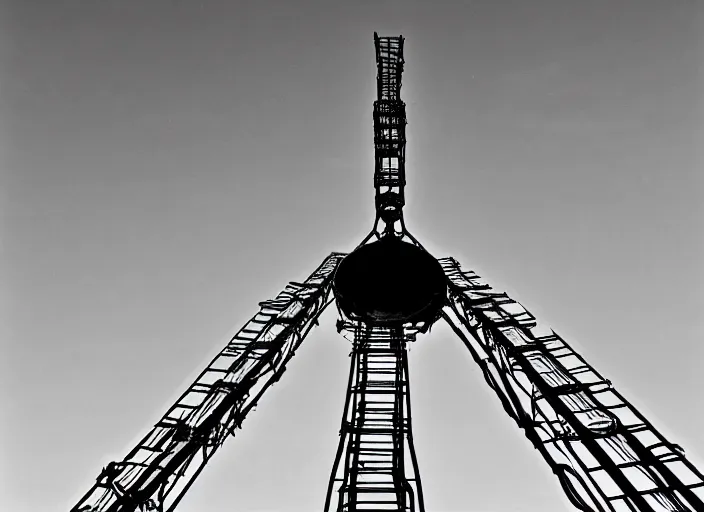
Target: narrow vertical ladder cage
{"x":389,"y":130}
{"x":375,"y":467}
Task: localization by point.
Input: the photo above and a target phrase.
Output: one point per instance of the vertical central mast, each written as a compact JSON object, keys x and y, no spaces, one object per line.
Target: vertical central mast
{"x":386,"y":292}
{"x":389,"y":137}
{"x":375,"y":467}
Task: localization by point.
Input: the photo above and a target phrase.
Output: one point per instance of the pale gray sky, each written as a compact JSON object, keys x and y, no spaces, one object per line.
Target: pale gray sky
{"x":168,"y":164}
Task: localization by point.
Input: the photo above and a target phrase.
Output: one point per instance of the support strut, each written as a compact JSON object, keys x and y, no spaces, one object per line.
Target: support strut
{"x":156,"y":474}
{"x":607,"y":456}
{"x":375,"y":467}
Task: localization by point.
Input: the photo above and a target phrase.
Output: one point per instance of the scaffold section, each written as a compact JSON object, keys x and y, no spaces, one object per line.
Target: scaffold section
{"x":607,"y":456}
{"x":156,"y":474}
{"x":375,"y":467}
{"x":389,"y":131}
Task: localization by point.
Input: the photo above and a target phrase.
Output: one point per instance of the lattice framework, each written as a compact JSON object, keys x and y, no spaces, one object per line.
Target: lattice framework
{"x":606,"y":455}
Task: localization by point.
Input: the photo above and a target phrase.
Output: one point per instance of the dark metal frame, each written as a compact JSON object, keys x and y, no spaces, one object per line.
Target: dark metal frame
{"x":158,"y":472}
{"x":376,"y":438}
{"x":606,"y":455}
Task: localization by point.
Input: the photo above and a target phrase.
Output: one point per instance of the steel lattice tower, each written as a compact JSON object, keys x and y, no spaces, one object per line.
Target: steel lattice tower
{"x":605,"y":454}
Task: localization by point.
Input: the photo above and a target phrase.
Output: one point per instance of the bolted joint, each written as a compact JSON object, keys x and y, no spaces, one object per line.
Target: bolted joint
{"x":389,"y":206}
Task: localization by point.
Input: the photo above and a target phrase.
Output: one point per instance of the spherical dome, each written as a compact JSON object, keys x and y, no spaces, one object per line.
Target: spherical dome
{"x":390,"y":282}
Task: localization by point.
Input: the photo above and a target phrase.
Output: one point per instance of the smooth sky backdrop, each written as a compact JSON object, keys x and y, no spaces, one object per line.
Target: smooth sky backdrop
{"x":168,"y":164}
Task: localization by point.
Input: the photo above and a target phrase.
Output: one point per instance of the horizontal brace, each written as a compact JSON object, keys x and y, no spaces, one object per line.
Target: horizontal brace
{"x":655,"y":491}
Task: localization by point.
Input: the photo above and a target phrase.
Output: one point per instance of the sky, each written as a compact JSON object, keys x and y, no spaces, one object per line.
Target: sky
{"x":166,"y":165}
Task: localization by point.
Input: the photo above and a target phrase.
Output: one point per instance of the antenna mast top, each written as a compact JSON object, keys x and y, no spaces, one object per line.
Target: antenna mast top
{"x":389,"y":136}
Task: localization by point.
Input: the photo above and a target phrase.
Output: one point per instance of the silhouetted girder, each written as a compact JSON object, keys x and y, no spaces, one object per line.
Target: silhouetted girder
{"x":571,"y":414}
{"x":158,"y":472}
{"x":370,"y":468}
{"x":389,"y":132}
{"x":389,"y":59}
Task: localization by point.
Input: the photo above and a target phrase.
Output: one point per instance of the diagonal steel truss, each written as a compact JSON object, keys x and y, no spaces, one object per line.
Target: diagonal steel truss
{"x":606,"y":455}
{"x":156,"y":474}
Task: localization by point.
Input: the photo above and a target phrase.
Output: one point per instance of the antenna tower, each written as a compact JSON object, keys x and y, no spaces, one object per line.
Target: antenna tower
{"x":606,"y":456}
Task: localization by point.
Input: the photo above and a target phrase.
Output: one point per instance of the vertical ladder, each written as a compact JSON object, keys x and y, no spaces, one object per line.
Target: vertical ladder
{"x":370,"y":470}
{"x":389,"y":130}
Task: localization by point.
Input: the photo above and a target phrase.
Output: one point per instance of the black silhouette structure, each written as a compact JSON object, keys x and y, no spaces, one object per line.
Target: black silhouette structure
{"x":605,"y":454}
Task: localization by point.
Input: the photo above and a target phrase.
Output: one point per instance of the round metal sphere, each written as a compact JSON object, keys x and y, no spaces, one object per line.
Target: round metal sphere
{"x":390,"y":282}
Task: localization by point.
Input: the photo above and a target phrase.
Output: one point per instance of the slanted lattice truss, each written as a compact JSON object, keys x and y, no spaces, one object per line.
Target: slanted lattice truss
{"x":156,"y":474}
{"x":607,"y":456}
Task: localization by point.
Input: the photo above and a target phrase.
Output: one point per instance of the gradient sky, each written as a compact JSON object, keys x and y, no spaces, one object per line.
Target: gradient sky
{"x":168,"y":164}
